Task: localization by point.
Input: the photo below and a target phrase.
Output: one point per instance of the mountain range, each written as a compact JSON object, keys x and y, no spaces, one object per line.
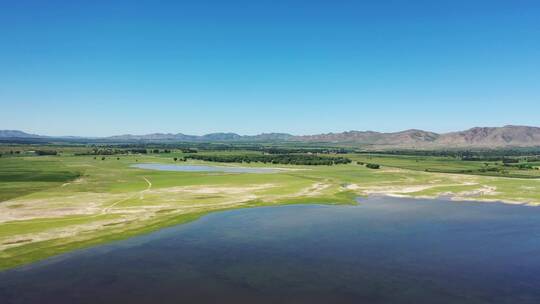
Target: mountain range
{"x":478,"y":137}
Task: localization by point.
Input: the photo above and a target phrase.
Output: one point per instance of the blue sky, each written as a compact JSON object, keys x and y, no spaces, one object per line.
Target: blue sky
{"x":99,"y":68}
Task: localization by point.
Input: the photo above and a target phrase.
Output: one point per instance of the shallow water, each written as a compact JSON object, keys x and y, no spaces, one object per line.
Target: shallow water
{"x":202,"y":168}
{"x":385,"y":250}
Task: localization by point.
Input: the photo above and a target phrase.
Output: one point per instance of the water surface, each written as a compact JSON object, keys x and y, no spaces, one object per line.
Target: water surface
{"x":385,"y":250}
{"x":203,"y":168}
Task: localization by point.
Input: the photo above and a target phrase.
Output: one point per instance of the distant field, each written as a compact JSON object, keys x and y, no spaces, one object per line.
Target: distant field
{"x":449,"y":165}
{"x":53,"y":204}
{"x":18,"y":178}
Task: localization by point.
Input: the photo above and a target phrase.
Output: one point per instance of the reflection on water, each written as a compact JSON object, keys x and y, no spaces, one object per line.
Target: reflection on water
{"x":385,"y":250}
{"x":201,"y":168}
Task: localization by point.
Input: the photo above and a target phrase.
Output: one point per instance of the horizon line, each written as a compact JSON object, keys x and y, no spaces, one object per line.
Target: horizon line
{"x":261,"y":133}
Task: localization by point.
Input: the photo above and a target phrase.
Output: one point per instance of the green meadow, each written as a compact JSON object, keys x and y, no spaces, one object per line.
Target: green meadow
{"x":54,"y":204}
{"x":451,"y":165}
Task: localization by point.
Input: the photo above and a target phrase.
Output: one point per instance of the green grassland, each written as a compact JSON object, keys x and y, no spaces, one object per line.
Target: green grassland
{"x":449,"y":165}
{"x":53,"y":204}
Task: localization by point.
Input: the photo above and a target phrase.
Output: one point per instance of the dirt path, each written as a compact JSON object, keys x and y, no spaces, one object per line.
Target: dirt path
{"x":141,"y":196}
{"x":314,"y":189}
{"x":103,"y":211}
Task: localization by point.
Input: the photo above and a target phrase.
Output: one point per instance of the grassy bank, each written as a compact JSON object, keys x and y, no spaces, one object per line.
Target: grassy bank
{"x":55,"y":204}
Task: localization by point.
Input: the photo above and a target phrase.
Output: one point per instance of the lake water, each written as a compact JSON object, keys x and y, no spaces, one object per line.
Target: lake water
{"x":202,"y":168}
{"x":385,"y":250}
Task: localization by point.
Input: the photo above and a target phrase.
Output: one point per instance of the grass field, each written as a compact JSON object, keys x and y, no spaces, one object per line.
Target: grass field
{"x":449,"y":165}
{"x":53,"y":204}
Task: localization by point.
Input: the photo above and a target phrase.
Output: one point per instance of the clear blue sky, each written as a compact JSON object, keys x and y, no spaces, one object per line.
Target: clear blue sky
{"x":100,"y":68}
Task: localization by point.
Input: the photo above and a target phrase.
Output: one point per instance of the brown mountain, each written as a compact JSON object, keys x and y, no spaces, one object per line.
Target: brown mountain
{"x":507,"y":136}
{"x":408,"y":138}
{"x":486,"y":137}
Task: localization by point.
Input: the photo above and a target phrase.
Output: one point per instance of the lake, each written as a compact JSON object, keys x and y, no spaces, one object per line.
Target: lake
{"x":203,"y":168}
{"x":384,"y":250}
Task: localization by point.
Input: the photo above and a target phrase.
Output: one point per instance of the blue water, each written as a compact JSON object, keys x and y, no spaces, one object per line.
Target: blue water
{"x":201,"y":168}
{"x":385,"y":250}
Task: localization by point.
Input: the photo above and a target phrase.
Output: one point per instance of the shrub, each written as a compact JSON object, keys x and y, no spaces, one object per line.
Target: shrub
{"x":373,"y":166}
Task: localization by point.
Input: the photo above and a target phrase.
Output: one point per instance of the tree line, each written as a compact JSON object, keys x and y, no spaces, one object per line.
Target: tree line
{"x":287,"y":159}
{"x":468,"y":155}
{"x":273,"y":150}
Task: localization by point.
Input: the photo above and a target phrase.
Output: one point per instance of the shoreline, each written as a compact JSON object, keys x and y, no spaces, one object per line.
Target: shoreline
{"x":28,"y":259}
{"x":457,"y":199}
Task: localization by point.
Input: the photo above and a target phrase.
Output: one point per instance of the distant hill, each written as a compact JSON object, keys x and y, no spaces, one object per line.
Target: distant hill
{"x":495,"y":137}
{"x":212,"y":137}
{"x":151,"y":137}
{"x":517,"y":136}
{"x":269,"y":137}
{"x":408,"y":138}
{"x":17,"y":134}
{"x":478,"y":137}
